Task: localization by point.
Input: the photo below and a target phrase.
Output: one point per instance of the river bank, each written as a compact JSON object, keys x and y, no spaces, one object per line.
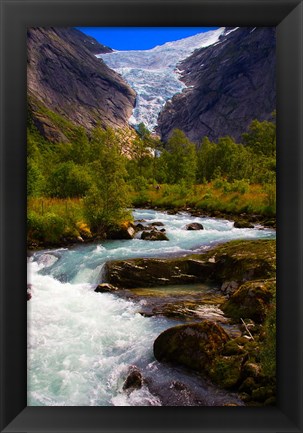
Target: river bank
{"x":101,"y":335}
{"x":36,"y":240}
{"x":233,"y":310}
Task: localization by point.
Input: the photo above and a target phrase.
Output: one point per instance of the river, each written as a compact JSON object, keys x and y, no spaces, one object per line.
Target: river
{"x":81,"y":343}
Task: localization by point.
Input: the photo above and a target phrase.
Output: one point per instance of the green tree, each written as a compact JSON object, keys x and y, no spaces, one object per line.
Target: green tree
{"x":68,"y":180}
{"x":180,"y":158}
{"x":261,"y":137}
{"x":106,"y":202}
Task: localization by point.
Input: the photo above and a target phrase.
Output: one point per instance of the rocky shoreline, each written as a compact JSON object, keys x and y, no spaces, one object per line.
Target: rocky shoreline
{"x":243,"y":275}
{"x":127,"y":231}
{"x":226,"y":305}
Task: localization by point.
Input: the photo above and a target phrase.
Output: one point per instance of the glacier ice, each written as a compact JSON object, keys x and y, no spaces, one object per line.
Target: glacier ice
{"x":153,"y":73}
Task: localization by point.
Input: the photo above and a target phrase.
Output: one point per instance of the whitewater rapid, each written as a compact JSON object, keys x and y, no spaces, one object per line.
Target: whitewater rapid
{"x":81,"y":343}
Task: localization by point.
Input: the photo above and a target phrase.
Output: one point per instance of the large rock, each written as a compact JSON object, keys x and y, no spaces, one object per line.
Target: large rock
{"x":194,"y":226}
{"x":154,"y":235}
{"x":105,"y":288}
{"x":156,"y":272}
{"x":194,"y":345}
{"x":237,"y":261}
{"x":134,"y":379}
{"x":250,"y":301}
{"x":242,"y":224}
{"x":126,"y":231}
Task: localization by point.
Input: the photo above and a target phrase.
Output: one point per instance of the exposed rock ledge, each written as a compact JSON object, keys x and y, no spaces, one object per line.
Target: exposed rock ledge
{"x":237,"y":261}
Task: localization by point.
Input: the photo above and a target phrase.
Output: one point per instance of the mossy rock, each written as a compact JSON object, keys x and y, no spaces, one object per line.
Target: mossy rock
{"x":248,"y":385}
{"x":233,"y":261}
{"x":262,"y":393}
{"x":194,"y":345}
{"x":250,"y":301}
{"x":236,"y":346}
{"x":243,"y":224}
{"x":226,"y":371}
{"x":243,"y":260}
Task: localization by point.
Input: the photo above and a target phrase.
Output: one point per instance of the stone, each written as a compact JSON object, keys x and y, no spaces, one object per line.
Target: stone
{"x":134,"y":379}
{"x":126,"y":231}
{"x":241,"y":224}
{"x":250,"y":301}
{"x":139,"y":227}
{"x":229,"y":287}
{"x":147,"y":272}
{"x":193,"y":345}
{"x":105,"y":288}
{"x":194,"y":226}
{"x":154,"y":235}
{"x":226,"y":371}
{"x":248,"y":385}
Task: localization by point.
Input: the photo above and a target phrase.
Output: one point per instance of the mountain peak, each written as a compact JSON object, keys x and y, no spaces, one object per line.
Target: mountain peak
{"x":154,"y":74}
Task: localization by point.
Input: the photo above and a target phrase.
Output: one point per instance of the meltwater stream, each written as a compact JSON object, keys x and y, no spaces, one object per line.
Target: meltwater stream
{"x":81,"y":343}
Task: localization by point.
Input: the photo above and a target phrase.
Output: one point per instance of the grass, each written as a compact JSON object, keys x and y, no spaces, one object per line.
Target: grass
{"x":253,"y":199}
{"x":51,"y":220}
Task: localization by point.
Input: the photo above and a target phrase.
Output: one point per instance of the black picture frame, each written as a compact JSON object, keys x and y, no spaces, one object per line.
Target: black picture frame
{"x":16,"y":16}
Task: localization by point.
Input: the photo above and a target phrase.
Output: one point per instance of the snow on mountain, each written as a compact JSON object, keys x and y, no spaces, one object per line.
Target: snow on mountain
{"x":153,"y":73}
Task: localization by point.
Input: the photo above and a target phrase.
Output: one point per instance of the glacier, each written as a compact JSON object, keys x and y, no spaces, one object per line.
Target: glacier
{"x":154,"y":73}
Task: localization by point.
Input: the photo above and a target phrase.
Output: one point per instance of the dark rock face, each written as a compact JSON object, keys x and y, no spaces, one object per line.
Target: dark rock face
{"x":155,"y":272}
{"x":134,"y":379}
{"x":194,"y":226}
{"x":192,"y":345}
{"x":154,"y":235}
{"x":235,"y":261}
{"x":241,"y":224}
{"x":251,"y":301}
{"x":126,"y":232}
{"x":105,"y":288}
{"x":233,"y":83}
{"x":64,"y":75}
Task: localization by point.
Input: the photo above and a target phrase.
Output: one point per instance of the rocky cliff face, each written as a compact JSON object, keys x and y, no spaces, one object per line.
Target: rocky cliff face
{"x":64,"y":76}
{"x":228,"y":84}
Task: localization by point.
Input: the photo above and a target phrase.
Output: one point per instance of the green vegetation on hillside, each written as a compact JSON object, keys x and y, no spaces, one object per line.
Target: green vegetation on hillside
{"x":101,"y":173}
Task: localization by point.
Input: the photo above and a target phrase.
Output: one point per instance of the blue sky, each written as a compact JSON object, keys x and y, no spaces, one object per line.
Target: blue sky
{"x":140,"y":38}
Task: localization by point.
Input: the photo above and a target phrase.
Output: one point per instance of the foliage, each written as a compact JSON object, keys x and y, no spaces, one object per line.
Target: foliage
{"x":268,"y":349}
{"x":110,"y":174}
{"x":180,"y":159}
{"x":68,"y":180}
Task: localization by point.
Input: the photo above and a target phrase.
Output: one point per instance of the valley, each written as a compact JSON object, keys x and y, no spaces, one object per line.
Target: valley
{"x":151,"y":187}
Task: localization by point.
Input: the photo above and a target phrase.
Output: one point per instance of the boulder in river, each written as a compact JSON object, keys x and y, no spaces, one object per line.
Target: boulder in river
{"x":105,"y":288}
{"x":242,"y":224}
{"x":134,"y":379}
{"x":125,"y":231}
{"x":233,"y":261}
{"x":194,"y":345}
{"x":194,"y":226}
{"x":134,"y":273}
{"x":157,"y":224}
{"x":29,"y":293}
{"x":139,"y":227}
{"x":154,"y":235}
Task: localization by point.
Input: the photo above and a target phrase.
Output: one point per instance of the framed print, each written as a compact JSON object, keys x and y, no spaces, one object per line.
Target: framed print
{"x":60,"y":174}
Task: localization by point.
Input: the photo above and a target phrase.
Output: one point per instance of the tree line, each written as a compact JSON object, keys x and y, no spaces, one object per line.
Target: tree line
{"x":97,"y":168}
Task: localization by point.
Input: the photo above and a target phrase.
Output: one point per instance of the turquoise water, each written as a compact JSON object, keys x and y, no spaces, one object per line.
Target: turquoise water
{"x":81,"y":343}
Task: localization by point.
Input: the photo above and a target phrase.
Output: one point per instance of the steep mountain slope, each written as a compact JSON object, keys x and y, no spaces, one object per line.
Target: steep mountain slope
{"x":153,"y":73}
{"x":229,"y":84}
{"x":64,"y":76}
